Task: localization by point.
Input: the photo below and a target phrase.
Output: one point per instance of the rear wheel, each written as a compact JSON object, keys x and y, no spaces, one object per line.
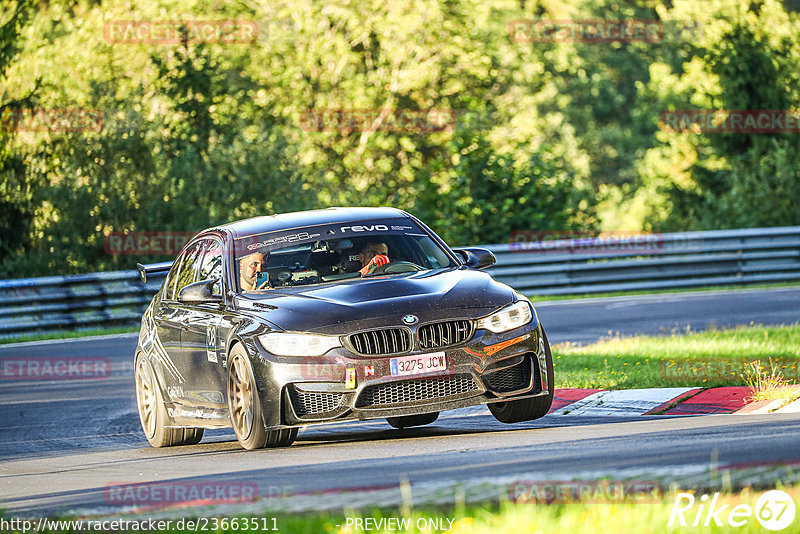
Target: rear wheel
{"x":528,"y":409}
{"x":153,"y":414}
{"x":245,"y":407}
{"x":406,"y":421}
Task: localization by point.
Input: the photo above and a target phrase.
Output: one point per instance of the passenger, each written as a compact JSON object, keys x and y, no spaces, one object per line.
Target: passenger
{"x":249,"y":267}
{"x":373,"y":255}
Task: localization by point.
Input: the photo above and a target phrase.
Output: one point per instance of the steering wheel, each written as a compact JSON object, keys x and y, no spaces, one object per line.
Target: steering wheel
{"x":398,"y":267}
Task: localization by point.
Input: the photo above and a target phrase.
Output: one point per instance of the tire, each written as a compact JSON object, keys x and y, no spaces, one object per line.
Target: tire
{"x":192,"y":436}
{"x":244,"y":406}
{"x":406,"y":421}
{"x":528,"y":409}
{"x":152,"y":413}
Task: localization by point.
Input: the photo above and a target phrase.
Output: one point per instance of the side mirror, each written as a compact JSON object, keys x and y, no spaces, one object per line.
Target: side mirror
{"x":200,"y":292}
{"x":476,"y":258}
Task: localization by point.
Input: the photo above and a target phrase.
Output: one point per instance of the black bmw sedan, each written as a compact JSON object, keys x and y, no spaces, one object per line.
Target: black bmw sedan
{"x":272,"y":323}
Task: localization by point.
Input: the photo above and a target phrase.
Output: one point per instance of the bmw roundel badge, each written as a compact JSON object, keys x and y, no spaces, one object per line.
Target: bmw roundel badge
{"x":410,"y":319}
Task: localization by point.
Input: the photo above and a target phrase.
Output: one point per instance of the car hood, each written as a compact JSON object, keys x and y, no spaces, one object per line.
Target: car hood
{"x":380,"y":301}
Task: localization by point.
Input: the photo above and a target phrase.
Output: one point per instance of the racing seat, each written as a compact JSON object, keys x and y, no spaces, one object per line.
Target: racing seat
{"x":350,"y":261}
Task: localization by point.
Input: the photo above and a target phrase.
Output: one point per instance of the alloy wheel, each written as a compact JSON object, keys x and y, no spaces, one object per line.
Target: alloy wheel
{"x":241,"y":396}
{"x":146,"y":397}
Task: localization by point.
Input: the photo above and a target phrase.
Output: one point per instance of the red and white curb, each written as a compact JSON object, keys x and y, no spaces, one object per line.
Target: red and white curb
{"x":622,"y":402}
{"x":654,"y":401}
{"x":666,"y":401}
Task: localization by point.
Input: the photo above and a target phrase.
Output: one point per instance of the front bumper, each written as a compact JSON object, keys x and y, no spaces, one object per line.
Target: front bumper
{"x":345,"y":386}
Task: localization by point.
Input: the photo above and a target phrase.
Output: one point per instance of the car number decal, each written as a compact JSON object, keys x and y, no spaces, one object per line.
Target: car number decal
{"x":211,"y":343}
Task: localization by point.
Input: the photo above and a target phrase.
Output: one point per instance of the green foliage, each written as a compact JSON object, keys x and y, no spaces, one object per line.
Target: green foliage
{"x":545,"y":136}
{"x":746,"y":59}
{"x":16,"y":203}
{"x":486,"y":195}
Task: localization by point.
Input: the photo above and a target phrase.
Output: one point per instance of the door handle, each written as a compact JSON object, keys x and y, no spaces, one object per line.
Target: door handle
{"x":185,"y":324}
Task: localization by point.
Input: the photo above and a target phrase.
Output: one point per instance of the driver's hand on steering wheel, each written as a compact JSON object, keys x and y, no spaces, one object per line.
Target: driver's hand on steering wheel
{"x":373,"y":264}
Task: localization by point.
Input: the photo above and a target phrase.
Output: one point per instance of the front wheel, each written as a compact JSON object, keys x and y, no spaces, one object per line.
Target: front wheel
{"x":528,"y":409}
{"x":245,"y":407}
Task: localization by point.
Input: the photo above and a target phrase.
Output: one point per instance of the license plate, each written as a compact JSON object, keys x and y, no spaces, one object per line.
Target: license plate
{"x":417,"y":365}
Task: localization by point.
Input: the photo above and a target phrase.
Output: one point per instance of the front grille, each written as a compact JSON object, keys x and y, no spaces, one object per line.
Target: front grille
{"x":415,"y":390}
{"x":387,"y":341}
{"x":511,"y":378}
{"x":444,"y":334}
{"x":311,"y":403}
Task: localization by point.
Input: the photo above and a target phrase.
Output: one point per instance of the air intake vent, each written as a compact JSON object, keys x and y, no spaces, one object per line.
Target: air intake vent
{"x":511,"y":378}
{"x":313,"y":403}
{"x":416,"y":390}
{"x":388,"y":341}
{"x":437,"y":335}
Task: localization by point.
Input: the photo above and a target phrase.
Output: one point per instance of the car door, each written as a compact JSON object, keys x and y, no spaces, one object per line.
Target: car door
{"x":171,"y":318}
{"x":200,"y":346}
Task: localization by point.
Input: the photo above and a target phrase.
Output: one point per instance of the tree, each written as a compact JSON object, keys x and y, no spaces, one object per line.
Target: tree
{"x":746,"y":59}
{"x":17,"y":208}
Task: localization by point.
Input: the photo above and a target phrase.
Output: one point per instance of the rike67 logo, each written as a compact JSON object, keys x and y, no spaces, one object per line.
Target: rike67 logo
{"x":774,"y":510}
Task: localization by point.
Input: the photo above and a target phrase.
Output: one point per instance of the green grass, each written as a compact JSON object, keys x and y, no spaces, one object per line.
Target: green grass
{"x":767,"y":285}
{"x":71,"y":334}
{"x":651,"y":516}
{"x":708,"y":359}
{"x":642,"y":518}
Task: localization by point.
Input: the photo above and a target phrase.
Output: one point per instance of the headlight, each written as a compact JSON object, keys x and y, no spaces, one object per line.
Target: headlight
{"x":510,"y":317}
{"x":288,"y":344}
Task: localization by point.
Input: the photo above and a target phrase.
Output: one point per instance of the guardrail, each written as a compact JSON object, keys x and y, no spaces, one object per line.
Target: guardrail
{"x":657,"y":261}
{"x":563,"y":267}
{"x":77,"y":302}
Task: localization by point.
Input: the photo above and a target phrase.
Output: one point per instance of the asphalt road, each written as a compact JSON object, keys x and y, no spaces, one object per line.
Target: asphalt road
{"x":63,"y":443}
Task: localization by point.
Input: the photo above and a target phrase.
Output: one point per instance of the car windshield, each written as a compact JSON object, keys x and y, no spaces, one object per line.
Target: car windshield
{"x":335,"y":252}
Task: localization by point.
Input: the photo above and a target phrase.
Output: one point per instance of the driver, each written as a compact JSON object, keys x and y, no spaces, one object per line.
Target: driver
{"x":373,"y":255}
{"x":249,"y":267}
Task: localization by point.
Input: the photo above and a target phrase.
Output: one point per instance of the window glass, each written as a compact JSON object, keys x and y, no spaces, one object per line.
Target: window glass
{"x":169,"y":285}
{"x":434,"y":254}
{"x":188,"y":268}
{"x":211,"y":266}
{"x":335,"y":253}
